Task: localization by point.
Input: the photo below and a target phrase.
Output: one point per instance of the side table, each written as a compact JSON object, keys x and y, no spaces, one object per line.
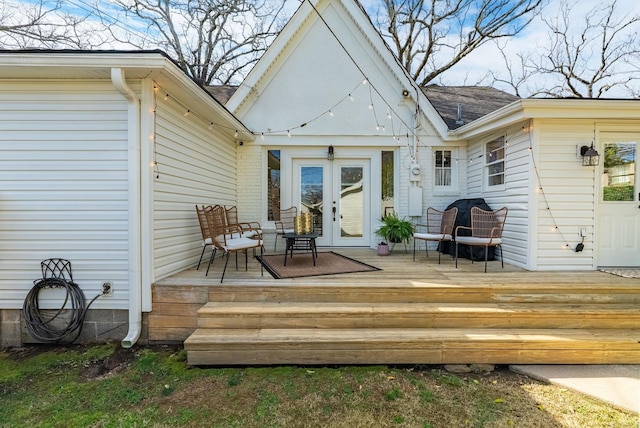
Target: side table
{"x":304,"y":242}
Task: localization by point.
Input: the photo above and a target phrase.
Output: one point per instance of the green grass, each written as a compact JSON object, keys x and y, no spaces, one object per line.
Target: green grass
{"x":106,"y":386}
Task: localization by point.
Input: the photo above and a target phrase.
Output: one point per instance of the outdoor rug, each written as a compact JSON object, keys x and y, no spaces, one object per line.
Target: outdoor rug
{"x":625,"y":272}
{"x":301,"y":265}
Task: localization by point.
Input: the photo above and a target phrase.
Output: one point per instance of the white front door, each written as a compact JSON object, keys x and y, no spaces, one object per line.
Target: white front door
{"x":618,"y":226}
{"x":338,"y":195}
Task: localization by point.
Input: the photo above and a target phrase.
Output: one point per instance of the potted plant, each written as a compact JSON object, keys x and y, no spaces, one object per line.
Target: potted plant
{"x":395,"y":229}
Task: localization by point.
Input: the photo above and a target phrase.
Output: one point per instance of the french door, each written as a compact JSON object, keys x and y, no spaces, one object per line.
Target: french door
{"x":338,"y":195}
{"x":618,"y":226}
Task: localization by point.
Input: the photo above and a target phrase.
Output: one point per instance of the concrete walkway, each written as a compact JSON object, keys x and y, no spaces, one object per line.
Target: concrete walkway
{"x":618,"y":385}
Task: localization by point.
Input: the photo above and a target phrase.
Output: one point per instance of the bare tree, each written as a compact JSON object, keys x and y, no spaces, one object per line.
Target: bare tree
{"x":214,"y":41}
{"x":430,"y":37}
{"x":44,"y":25}
{"x":586,"y":55}
{"x":591,"y":57}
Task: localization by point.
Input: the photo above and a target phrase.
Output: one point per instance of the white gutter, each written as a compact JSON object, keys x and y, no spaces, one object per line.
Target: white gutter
{"x":133,"y":155}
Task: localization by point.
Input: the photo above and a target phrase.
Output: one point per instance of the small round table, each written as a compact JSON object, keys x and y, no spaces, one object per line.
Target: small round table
{"x":301,"y":242}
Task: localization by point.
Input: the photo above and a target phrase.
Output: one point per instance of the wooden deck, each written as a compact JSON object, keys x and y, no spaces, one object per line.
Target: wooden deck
{"x":407,"y":313}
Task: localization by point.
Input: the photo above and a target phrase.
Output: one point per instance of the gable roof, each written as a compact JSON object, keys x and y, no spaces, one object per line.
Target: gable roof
{"x":374,"y":58}
{"x":474,"y":101}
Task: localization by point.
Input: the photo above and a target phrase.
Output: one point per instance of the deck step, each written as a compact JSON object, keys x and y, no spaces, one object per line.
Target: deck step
{"x":247,"y":315}
{"x":412,"y":346}
{"x":436,"y":292}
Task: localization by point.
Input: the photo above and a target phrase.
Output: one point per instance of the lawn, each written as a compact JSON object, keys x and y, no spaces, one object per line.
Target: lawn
{"x":107,"y":386}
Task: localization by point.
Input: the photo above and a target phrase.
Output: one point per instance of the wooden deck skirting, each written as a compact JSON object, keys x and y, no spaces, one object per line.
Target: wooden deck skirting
{"x":407,"y":313}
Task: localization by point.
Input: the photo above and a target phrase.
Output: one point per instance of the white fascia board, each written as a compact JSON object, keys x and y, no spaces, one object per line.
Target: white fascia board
{"x":580,"y":108}
{"x":535,"y":108}
{"x":506,"y":116}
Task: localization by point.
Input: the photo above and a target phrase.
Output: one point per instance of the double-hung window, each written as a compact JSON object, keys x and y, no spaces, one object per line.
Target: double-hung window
{"x":494,"y":162}
{"x":443,"y":168}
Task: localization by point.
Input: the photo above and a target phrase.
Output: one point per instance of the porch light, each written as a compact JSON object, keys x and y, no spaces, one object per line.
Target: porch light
{"x":330,"y":153}
{"x":590,"y":157}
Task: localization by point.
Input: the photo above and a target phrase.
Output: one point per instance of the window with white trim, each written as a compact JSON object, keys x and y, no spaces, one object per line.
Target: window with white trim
{"x":443,"y":169}
{"x":494,"y":162}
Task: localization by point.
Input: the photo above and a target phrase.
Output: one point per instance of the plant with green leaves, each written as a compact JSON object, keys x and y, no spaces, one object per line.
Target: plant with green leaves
{"x":395,"y":229}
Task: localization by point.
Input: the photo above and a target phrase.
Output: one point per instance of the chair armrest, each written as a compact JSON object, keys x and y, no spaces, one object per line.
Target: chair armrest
{"x":418,"y":226}
{"x":279,"y":226}
{"x":462,"y":228}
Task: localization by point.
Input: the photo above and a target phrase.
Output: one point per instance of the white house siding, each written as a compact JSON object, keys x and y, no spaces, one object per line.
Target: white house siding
{"x":63,"y":187}
{"x":569,"y":189}
{"x":515,"y":193}
{"x":197,"y":165}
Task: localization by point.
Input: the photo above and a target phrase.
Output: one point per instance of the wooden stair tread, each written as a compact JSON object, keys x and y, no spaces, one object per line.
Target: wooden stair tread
{"x":291,"y":308}
{"x":567,"y":338}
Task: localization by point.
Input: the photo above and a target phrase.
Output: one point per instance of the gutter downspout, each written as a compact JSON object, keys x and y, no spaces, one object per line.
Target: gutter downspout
{"x":133,"y":155}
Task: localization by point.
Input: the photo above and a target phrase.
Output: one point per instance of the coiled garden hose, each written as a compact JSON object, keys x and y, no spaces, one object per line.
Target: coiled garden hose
{"x":41,"y":326}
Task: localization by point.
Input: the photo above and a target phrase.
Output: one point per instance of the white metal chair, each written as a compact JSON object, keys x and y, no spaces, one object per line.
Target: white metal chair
{"x":439,"y":228}
{"x":485,"y":231}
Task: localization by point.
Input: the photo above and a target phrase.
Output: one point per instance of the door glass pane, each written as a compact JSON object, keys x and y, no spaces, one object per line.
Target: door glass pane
{"x":351,"y":202}
{"x":618,"y":178}
{"x":311,"y":191}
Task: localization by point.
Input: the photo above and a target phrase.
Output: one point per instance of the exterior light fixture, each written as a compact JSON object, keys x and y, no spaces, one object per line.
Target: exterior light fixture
{"x":590,"y":157}
{"x":330,"y":153}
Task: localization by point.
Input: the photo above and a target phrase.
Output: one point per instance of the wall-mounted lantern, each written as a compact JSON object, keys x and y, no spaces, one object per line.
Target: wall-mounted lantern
{"x":330,"y":153}
{"x":590,"y":157}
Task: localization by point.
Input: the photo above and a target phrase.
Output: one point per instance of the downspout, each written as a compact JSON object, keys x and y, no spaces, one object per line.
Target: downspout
{"x":133,"y":155}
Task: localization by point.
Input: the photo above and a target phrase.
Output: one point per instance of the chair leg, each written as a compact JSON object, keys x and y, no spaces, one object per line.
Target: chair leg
{"x":246,"y":260}
{"x":201,"y":255}
{"x":213,"y":255}
{"x":456,"y":254}
{"x":501,"y":255}
{"x":438,"y":250}
{"x":261,"y":255}
{"x":486,"y":257}
{"x":275,"y":243}
{"x":225,"y":266}
{"x":414,"y":250}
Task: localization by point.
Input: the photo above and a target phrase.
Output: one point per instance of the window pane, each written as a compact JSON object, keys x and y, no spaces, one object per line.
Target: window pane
{"x":273,"y":184}
{"x":619,"y":171}
{"x":443,"y":167}
{"x":494,"y":159}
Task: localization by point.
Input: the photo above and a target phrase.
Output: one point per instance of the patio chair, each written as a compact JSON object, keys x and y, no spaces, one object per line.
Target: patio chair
{"x":284,"y":224}
{"x":248,"y":229}
{"x":439,"y":228}
{"x":486,"y":231}
{"x":229,"y":239}
{"x":204,"y":229}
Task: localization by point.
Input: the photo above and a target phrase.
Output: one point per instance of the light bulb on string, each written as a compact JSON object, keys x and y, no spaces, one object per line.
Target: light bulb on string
{"x":330,"y":113}
{"x":365,"y":81}
{"x":166,"y":97}
{"x":211,"y":125}
{"x":288,"y":133}
{"x":351,"y":98}
{"x":235,"y":134}
{"x":262,"y":136}
{"x":186,"y":113}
